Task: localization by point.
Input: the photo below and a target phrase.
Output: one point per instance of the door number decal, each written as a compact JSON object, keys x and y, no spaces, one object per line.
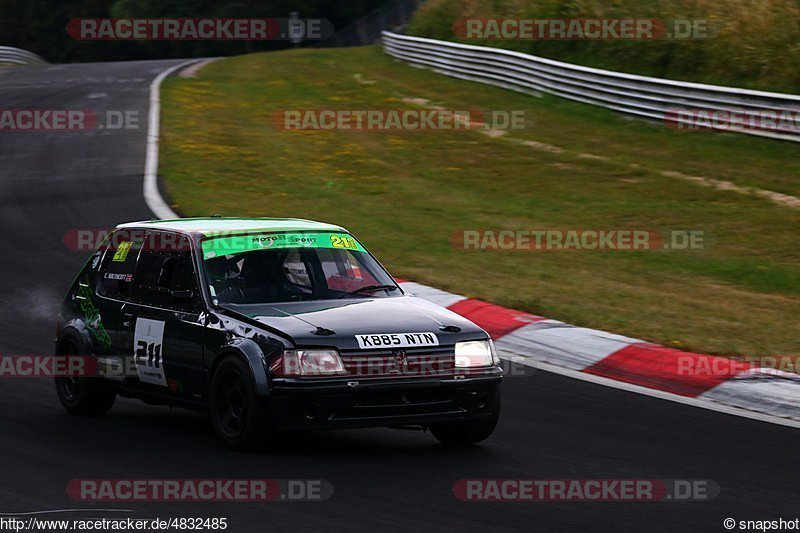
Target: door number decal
{"x":148,"y":339}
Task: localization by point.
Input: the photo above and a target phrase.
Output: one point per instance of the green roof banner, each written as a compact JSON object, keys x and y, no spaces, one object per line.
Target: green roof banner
{"x":235,"y":244}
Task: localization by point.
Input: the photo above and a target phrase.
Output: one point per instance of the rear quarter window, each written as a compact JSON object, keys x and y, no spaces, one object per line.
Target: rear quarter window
{"x":115,"y":277}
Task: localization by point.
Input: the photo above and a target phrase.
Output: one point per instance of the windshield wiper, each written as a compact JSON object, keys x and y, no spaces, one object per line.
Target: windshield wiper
{"x":370,"y":288}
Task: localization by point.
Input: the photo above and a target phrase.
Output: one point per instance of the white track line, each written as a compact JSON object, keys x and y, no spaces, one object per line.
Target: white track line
{"x":191,"y":72}
{"x":152,"y":196}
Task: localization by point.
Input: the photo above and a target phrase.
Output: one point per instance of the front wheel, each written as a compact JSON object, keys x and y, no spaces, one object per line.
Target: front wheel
{"x":240,"y":416}
{"x":469,"y":431}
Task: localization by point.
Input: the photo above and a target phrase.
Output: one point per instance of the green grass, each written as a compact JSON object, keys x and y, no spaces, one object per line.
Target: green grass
{"x":404,"y":194}
{"x":753,"y":43}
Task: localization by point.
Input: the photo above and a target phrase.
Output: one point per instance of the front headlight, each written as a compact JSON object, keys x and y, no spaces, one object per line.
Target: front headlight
{"x":471,"y":354}
{"x":310,"y":363}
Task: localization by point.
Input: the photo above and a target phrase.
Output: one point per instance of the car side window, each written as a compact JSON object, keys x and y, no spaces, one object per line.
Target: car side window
{"x":165,"y":274}
{"x":115,"y":277}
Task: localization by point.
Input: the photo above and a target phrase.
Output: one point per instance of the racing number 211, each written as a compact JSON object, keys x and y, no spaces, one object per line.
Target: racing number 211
{"x":148,"y":354}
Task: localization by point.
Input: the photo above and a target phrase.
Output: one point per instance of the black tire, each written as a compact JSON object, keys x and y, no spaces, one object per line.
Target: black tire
{"x":469,"y":431}
{"x":240,"y":417}
{"x":86,"y":396}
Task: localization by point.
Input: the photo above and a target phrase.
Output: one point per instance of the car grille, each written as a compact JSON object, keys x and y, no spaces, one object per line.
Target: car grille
{"x":419,"y":362}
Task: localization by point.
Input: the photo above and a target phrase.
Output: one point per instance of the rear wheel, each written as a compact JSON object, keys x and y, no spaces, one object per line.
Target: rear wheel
{"x":469,"y":431}
{"x":240,"y":416}
{"x":88,"y":396}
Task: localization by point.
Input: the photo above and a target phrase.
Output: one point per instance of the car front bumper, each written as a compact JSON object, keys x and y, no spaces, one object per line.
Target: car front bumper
{"x":307,"y":404}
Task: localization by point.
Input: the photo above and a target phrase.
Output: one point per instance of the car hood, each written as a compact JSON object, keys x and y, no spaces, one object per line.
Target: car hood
{"x":337,"y":323}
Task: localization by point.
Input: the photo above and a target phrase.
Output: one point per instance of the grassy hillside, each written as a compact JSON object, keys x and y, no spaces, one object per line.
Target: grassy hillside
{"x":757,"y":43}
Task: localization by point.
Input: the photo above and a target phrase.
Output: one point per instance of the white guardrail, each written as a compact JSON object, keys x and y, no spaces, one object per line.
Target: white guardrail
{"x":16,"y":56}
{"x":731,"y":108}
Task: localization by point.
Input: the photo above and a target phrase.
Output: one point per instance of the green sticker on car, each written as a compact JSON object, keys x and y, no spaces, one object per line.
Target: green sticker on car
{"x":122,"y":252}
{"x":235,"y":244}
{"x":92,"y":314}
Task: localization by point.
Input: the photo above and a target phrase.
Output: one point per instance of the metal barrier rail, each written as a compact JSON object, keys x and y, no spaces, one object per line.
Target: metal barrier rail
{"x":732,"y":109}
{"x":17,"y":56}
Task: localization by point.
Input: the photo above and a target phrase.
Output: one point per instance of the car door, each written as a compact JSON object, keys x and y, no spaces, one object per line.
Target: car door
{"x":112,"y":291}
{"x":162,"y":325}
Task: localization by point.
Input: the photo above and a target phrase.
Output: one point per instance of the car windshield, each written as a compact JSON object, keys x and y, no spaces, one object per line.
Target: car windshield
{"x":287,"y":267}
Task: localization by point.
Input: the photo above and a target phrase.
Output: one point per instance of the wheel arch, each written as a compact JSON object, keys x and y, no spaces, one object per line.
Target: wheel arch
{"x":252,"y":354}
{"x":75,"y":331}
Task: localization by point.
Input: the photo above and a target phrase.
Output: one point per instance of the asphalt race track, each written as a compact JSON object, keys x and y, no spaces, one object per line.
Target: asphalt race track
{"x":552,"y":426}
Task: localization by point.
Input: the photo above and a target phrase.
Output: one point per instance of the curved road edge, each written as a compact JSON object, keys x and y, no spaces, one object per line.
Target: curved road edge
{"x":152,"y":196}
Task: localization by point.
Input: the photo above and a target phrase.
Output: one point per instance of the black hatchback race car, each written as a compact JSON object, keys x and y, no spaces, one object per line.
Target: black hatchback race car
{"x":271,"y":324}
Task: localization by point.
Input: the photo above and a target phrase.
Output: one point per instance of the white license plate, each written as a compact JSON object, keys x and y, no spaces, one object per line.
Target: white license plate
{"x":397,"y":340}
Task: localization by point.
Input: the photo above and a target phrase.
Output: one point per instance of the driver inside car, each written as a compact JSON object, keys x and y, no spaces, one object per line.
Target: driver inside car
{"x":260,"y":276}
